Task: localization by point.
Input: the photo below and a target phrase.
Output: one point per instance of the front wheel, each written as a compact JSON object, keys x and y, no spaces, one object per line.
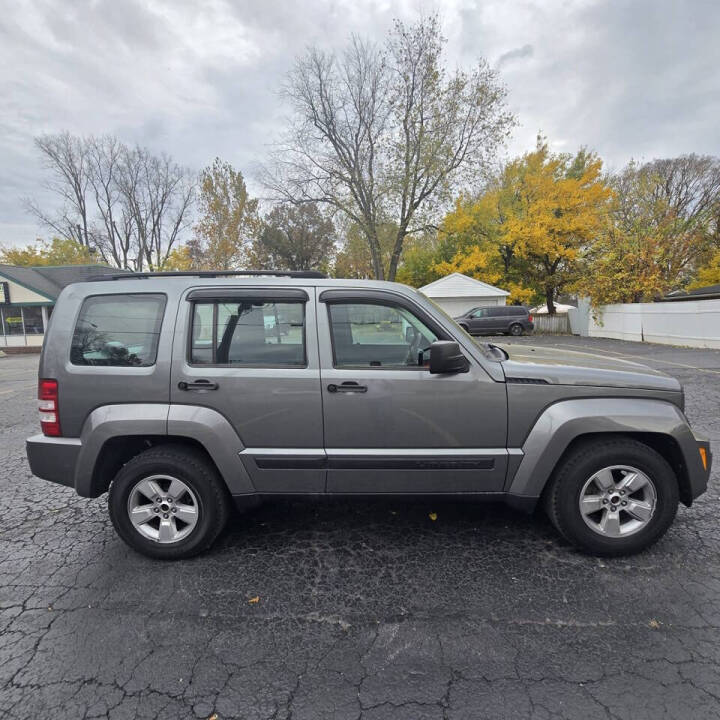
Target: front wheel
{"x":168,"y":503}
{"x":612,"y":497}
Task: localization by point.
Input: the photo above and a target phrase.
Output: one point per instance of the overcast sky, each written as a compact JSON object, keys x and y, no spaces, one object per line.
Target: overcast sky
{"x":199,"y":78}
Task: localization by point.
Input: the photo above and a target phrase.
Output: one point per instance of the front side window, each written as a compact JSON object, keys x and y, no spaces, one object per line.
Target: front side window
{"x":374,"y":335}
{"x":118,"y":330}
{"x":480,"y":312}
{"x":254,"y":333}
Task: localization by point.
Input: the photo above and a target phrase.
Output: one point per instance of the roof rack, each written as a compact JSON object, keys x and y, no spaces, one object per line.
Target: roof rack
{"x":210,"y":274}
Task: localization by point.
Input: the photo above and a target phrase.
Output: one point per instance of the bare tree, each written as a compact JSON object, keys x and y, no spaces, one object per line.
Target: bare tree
{"x":158,"y":194}
{"x":65,"y":157}
{"x":115,"y":238}
{"x":384,"y":135}
{"x":129,"y":205}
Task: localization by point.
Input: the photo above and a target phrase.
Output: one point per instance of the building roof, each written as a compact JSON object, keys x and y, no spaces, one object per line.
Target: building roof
{"x":50,"y":280}
{"x":709,"y":292}
{"x":461,"y":286}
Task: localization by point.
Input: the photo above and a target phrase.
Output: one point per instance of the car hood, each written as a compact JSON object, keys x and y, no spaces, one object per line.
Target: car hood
{"x":568,"y":367}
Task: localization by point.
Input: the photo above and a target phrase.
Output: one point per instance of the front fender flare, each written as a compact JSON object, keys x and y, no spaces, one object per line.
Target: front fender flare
{"x":567,"y":420}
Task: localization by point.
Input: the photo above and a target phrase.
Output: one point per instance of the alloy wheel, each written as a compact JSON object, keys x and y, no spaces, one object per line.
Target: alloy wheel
{"x":163,"y":508}
{"x":618,"y":501}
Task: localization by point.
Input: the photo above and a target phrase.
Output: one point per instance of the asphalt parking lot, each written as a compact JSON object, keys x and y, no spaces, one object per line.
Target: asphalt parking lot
{"x":356,"y":609}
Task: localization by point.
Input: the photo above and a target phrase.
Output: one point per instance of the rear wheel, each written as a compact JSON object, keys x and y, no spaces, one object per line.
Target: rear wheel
{"x":612,"y":497}
{"x":168,"y":503}
{"x":516,"y":329}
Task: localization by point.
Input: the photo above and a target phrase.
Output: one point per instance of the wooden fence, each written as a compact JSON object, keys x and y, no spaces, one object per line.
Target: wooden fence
{"x":557,"y":323}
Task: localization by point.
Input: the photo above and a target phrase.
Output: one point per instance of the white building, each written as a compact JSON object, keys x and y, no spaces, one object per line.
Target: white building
{"x":456,"y":293}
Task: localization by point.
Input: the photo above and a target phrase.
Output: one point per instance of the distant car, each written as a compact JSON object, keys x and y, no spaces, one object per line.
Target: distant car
{"x":506,"y":319}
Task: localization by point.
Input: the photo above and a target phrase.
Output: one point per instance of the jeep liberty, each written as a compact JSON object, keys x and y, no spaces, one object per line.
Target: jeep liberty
{"x":181,"y":393}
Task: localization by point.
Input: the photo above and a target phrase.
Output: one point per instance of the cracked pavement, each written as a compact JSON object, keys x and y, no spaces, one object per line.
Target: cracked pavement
{"x":366,"y":609}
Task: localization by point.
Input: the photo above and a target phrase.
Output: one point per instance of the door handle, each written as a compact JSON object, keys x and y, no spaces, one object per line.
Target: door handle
{"x":347,"y":387}
{"x":197,"y":385}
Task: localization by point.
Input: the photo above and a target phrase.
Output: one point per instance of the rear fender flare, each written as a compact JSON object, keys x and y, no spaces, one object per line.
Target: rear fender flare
{"x":203,"y":425}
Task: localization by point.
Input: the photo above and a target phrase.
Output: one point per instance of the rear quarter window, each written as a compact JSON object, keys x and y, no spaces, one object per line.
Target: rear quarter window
{"x":118,"y":330}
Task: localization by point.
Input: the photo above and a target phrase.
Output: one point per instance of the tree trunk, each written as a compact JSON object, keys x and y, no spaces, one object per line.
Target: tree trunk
{"x":375,"y":254}
{"x":397,"y":251}
{"x":550,"y":299}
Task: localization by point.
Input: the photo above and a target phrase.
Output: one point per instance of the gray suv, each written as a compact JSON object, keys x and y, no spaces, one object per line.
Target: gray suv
{"x":184,"y":393}
{"x":506,"y":319}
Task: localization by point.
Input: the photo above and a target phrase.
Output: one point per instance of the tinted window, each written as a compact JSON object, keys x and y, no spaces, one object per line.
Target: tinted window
{"x":118,"y":330}
{"x":254,"y":333}
{"x":373,"y":335}
{"x":518,"y":311}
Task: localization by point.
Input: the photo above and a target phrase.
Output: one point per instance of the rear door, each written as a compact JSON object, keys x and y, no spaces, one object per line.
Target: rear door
{"x":250,"y":353}
{"x":391,"y":426}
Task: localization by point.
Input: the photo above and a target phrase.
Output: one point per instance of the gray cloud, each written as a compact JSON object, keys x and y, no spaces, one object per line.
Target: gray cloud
{"x":516,"y":54}
{"x":201,"y":79}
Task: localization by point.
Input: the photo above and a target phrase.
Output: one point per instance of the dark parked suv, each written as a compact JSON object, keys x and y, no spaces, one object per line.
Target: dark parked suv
{"x":508,"y":319}
{"x":180,"y":394}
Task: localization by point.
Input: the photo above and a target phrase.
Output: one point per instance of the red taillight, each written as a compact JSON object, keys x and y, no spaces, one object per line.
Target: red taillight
{"x":48,"y":407}
{"x":530,"y":318}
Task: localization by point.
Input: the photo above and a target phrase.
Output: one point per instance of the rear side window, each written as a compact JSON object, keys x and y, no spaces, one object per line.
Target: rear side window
{"x":253,"y":333}
{"x":118,"y":330}
{"x":518,"y":311}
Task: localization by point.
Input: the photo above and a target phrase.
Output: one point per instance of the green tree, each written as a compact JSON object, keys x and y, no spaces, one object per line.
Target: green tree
{"x":294,"y":238}
{"x":59,"y":251}
{"x":228,"y":219}
{"x":354,"y":258}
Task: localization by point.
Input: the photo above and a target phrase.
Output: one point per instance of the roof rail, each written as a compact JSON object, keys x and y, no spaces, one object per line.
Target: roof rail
{"x":209,"y":274}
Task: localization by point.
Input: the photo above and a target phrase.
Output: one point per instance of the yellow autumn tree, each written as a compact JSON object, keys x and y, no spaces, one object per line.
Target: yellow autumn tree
{"x":529,"y":231}
{"x":708,"y":275}
{"x":559,"y":207}
{"x":59,"y":251}
{"x":660,"y":230}
{"x":228,"y":220}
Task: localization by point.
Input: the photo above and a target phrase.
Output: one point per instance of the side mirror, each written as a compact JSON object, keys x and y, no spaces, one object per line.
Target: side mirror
{"x":446,"y":357}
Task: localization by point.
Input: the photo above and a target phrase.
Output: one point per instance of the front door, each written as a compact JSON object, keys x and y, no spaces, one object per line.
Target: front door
{"x":250,"y":354}
{"x":391,"y":426}
{"x":479,"y":321}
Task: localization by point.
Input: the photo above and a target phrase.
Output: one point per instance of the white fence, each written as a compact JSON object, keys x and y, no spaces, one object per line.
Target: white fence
{"x":695,"y":323}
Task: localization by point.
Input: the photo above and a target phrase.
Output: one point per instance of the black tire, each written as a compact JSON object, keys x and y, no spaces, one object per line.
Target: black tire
{"x":516,"y":329}
{"x":192,"y":468}
{"x":562,"y":496}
